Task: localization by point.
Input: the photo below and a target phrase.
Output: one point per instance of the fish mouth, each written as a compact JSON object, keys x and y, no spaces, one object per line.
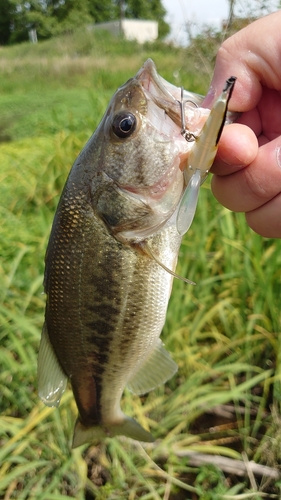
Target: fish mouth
{"x":164,"y":112}
{"x":173,"y":101}
{"x":148,"y":74}
{"x":165,"y":95}
{"x":168,"y":97}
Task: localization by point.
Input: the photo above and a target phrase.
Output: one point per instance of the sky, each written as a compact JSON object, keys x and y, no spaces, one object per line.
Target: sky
{"x":198,"y":12}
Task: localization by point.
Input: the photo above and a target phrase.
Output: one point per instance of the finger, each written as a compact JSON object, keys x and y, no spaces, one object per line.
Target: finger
{"x":269,"y":113}
{"x":254,"y":185}
{"x":266,"y":219}
{"x":253,"y":62}
{"x":251,"y":119}
{"x":238,"y":147}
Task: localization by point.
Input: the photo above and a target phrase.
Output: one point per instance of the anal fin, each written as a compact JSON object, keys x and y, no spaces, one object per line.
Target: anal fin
{"x":51,"y":378}
{"x":156,"y":370}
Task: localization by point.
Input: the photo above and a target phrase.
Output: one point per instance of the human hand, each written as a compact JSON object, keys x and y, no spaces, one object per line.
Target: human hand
{"x":248,"y":164}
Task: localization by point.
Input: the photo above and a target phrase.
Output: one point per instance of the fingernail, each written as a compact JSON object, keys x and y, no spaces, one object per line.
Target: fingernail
{"x":278,"y":156}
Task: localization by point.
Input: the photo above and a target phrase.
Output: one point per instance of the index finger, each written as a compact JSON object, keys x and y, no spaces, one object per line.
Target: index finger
{"x":252,"y":56}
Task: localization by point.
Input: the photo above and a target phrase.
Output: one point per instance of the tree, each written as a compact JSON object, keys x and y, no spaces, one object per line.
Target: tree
{"x":34,"y":14}
{"x":48,"y":17}
{"x":52,"y":17}
{"x":6,"y":13}
{"x":107,"y":10}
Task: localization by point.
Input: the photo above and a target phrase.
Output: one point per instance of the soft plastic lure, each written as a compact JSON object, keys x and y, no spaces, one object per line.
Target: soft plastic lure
{"x":201,"y":156}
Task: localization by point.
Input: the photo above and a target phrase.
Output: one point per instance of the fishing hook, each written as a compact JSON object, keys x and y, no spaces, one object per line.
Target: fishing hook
{"x":189,"y":136}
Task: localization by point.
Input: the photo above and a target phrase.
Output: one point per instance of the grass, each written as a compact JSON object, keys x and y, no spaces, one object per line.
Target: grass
{"x":51,"y":86}
{"x":224,"y":333}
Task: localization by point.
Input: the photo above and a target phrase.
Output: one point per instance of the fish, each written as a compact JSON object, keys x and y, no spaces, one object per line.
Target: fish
{"x":112,"y":255}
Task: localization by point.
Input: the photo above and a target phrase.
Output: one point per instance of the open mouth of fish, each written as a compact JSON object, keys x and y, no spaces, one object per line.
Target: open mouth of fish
{"x":165,"y":110}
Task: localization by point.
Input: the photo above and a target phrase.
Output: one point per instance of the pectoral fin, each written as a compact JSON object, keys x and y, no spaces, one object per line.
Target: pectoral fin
{"x":156,"y":370}
{"x":146,"y":248}
{"x":51,"y":378}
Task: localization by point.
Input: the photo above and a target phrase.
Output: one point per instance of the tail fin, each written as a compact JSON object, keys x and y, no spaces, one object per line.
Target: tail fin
{"x":126,"y":427}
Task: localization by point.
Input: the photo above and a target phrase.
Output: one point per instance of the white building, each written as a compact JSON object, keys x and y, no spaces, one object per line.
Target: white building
{"x":132,"y":29}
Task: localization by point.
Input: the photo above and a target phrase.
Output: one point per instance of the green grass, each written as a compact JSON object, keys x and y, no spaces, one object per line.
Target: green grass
{"x":67,"y":82}
{"x":224,"y":333}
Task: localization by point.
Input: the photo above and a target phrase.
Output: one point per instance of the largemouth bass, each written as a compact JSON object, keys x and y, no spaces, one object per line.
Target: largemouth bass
{"x":112,"y":256}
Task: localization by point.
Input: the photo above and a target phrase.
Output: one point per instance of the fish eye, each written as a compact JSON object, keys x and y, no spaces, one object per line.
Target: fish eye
{"x":124,"y":124}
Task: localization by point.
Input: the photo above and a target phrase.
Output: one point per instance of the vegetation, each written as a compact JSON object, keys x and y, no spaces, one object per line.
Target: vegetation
{"x":52,"y":17}
{"x":224,"y":403}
